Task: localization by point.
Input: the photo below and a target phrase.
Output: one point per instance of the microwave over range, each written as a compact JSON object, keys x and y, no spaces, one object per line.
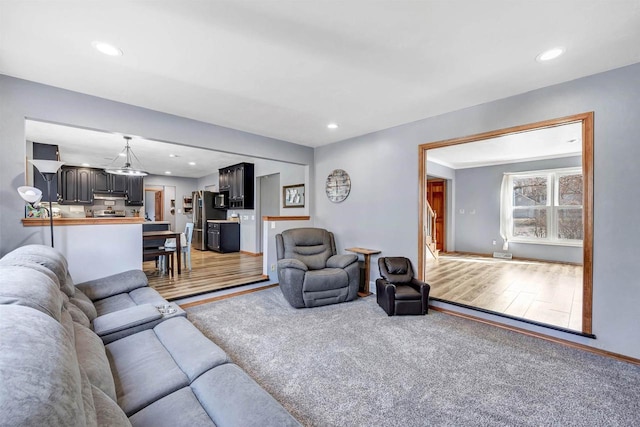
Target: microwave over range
{"x":221,"y":200}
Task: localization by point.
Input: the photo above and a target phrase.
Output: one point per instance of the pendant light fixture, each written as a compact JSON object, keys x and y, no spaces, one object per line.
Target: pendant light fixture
{"x":127,"y":169}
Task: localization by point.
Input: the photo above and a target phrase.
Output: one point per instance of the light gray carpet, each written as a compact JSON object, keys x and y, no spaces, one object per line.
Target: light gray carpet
{"x":351,"y":365}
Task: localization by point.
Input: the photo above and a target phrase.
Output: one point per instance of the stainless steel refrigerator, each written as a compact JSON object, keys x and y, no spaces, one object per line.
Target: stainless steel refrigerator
{"x":203,"y":211}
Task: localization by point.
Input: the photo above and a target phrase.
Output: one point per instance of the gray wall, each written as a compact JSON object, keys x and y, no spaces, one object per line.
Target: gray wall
{"x":382,"y":210}
{"x":183,"y":186}
{"x":478,"y":194}
{"x":20,"y":99}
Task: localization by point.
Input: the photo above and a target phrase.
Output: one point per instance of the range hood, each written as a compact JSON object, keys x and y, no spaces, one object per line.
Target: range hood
{"x":108,"y":196}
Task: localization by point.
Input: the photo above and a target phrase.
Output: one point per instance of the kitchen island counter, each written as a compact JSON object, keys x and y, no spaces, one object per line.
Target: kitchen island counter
{"x":39,"y":222}
{"x":94,"y":247}
{"x":223,"y":221}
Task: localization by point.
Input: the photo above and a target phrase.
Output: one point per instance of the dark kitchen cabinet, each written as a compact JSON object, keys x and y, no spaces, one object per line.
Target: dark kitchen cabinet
{"x":119,"y":184}
{"x":76,"y":185}
{"x":135,"y":191}
{"x":238,"y":180}
{"x":223,"y":179}
{"x":223,"y":236}
{"x":101,"y":181}
{"x":109,"y":183}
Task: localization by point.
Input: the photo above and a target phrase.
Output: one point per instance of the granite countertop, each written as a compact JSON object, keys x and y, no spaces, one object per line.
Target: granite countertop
{"x":223,"y":221}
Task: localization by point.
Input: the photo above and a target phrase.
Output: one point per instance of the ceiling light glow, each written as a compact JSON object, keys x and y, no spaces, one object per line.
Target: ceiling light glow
{"x":550,"y":54}
{"x":106,"y":48}
{"x":332,"y":126}
{"x":192,"y":163}
{"x":167,"y":172}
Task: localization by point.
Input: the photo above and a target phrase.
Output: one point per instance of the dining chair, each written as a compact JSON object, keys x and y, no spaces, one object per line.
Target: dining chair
{"x":186,"y":248}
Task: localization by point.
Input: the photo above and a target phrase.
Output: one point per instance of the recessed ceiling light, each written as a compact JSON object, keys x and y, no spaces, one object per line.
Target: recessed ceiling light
{"x":192,"y":163}
{"x":167,"y":172}
{"x":172,"y":155}
{"x":550,"y":54}
{"x":106,"y":48}
{"x":332,"y":126}
{"x":86,"y":164}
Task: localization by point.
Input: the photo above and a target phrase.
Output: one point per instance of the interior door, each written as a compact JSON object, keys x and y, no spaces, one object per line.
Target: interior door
{"x":158,"y":206}
{"x":436,"y":196}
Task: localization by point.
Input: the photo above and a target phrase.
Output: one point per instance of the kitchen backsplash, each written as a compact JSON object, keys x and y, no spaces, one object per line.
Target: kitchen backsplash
{"x":80,"y":211}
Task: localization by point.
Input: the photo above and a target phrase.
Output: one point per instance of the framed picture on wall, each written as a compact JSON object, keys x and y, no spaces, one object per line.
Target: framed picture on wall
{"x":293,"y":196}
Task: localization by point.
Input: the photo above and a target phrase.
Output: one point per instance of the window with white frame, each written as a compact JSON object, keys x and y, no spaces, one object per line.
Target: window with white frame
{"x":543,"y":206}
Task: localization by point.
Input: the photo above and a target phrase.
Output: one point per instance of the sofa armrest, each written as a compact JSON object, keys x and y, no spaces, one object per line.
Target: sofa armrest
{"x":115,"y":284}
{"x":292,"y":263}
{"x":341,"y":261}
{"x":128,"y":319}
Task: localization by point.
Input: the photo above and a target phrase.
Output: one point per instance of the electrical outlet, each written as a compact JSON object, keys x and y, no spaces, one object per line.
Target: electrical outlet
{"x":494,"y":243}
{"x":273,"y":267}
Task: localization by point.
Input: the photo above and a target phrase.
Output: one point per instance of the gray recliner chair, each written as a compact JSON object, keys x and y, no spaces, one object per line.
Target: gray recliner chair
{"x":309,"y":270}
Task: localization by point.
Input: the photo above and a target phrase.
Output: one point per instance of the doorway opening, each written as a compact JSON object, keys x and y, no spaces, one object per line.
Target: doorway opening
{"x":154,"y":204}
{"x":437,"y":202}
{"x":520,"y":221}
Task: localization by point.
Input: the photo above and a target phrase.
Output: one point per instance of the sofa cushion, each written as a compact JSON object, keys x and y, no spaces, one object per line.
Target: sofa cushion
{"x":143,"y":371}
{"x":32,"y":265}
{"x":108,"y":413}
{"x":179,"y":409}
{"x":87,"y":400}
{"x":40,"y":380}
{"x":83,"y":302}
{"x":113,"y":303}
{"x":119,"y":283}
{"x":123,"y":301}
{"x":77,"y":315}
{"x":21,"y":285}
{"x":232,"y":398}
{"x":190,"y":349}
{"x":93,"y":359}
{"x":146,"y":295}
{"x":45,"y":256}
{"x":125,"y":319}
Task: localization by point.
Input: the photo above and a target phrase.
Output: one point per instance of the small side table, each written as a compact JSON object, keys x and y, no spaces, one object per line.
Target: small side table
{"x":367,"y":262}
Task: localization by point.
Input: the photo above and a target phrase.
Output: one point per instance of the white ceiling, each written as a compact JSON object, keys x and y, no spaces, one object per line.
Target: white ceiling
{"x":286,"y":68}
{"x":538,"y":144}
{"x":97,"y":149}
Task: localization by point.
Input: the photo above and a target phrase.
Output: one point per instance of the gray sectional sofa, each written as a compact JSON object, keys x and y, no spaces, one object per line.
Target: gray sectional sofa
{"x":101,"y":354}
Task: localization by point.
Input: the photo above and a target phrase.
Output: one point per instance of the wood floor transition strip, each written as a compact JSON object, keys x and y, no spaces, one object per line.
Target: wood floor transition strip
{"x":222,"y":297}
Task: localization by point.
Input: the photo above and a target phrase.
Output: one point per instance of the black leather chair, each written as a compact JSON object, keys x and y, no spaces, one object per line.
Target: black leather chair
{"x":397,"y":291}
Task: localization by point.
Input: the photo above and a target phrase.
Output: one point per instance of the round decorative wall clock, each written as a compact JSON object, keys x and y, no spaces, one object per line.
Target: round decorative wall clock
{"x":338,"y":185}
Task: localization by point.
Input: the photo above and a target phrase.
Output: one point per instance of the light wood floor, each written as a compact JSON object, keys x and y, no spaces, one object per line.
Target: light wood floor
{"x":210,"y":271}
{"x":544,"y":292}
